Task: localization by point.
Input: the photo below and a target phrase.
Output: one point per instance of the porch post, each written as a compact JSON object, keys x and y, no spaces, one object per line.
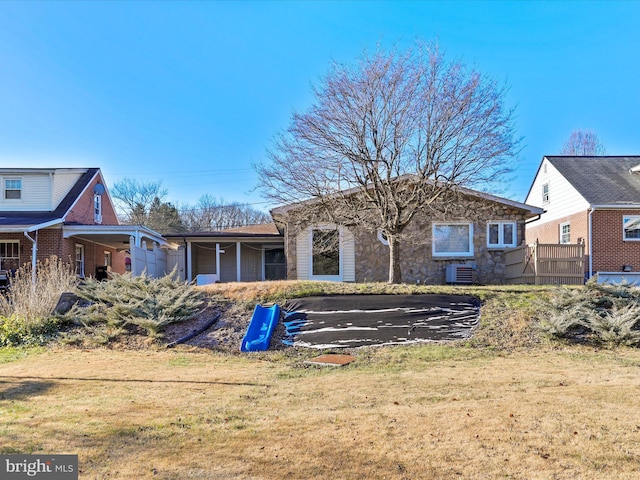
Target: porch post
{"x":238,"y":262}
{"x":189,"y":269}
{"x":218,"y":251}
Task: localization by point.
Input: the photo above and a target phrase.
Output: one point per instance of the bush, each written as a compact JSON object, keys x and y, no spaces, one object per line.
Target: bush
{"x":26,"y":309}
{"x":599,"y":313}
{"x":126,"y":303}
{"x":15,"y":330}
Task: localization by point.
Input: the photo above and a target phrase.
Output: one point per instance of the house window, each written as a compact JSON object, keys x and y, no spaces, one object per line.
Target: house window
{"x":97,"y":208}
{"x":274,"y":263}
{"x":631,"y":228}
{"x":108,"y":259}
{"x":501,"y":234}
{"x":452,"y":240}
{"x":10,"y":255}
{"x":12,"y":188}
{"x":80,"y":260}
{"x":545,"y":193}
{"x":325,"y":253}
{"x":565,"y":233}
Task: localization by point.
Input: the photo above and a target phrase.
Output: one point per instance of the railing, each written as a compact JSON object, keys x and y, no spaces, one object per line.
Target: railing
{"x":545,"y":264}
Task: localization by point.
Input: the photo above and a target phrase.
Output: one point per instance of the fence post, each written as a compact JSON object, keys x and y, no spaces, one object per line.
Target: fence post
{"x":536,"y":266}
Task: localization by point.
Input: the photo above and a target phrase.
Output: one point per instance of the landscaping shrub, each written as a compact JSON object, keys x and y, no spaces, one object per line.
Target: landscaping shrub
{"x":127,"y":303}
{"x":26,"y":308}
{"x":598,"y":313}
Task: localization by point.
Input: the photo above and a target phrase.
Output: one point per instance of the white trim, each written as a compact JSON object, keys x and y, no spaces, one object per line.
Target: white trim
{"x":560,"y":233}
{"x":435,"y":253}
{"x":624,"y":237}
{"x":331,"y":278}
{"x":501,"y":241}
{"x":380,"y":236}
{"x":81,"y":248}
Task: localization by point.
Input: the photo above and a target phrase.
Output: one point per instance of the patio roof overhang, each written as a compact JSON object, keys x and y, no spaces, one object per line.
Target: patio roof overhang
{"x":116,"y":236}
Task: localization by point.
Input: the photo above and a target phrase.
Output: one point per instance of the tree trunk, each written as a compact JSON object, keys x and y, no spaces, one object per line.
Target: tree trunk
{"x":395,"y":275}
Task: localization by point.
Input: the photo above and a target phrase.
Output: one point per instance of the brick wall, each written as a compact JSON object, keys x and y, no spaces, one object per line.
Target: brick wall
{"x":50,"y":243}
{"x":610,"y":251}
{"x":83,"y":213}
{"x":549,"y":232}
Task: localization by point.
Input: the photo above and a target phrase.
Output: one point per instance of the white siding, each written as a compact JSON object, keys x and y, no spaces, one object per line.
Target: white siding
{"x":564,"y":199}
{"x":303,"y":260}
{"x":348,"y":256}
{"x":62,"y":183}
{"x":36,"y":193}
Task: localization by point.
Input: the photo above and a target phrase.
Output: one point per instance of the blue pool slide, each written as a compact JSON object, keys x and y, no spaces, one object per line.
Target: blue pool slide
{"x":263,"y":322}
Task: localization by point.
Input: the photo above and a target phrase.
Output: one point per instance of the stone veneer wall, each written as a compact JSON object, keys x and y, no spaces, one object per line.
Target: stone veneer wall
{"x":417,"y":262}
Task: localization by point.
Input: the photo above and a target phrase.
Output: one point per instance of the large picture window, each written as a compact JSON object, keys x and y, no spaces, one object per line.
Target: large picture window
{"x":452,"y":239}
{"x":631,"y":227}
{"x":501,"y":234}
{"x":325,"y":253}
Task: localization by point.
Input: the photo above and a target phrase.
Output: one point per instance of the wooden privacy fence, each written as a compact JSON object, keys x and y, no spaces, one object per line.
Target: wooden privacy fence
{"x":545,"y":264}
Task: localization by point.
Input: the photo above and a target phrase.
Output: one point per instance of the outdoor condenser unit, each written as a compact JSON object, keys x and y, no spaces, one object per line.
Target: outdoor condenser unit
{"x":459,"y":273}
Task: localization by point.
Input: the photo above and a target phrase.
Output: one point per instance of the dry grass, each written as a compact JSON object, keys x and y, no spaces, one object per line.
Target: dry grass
{"x":502,"y":405}
{"x":395,"y":413}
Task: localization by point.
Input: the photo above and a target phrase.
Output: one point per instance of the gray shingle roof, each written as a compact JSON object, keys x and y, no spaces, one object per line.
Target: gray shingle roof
{"x":602,"y":180}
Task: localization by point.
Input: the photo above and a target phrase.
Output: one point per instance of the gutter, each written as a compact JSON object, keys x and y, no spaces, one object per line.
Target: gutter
{"x":34,"y":256}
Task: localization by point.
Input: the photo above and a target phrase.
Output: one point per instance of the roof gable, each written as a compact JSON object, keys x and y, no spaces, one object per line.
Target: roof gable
{"x":604,"y":180}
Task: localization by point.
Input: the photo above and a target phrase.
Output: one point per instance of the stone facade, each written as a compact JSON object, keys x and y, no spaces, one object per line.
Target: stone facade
{"x":418,"y":264}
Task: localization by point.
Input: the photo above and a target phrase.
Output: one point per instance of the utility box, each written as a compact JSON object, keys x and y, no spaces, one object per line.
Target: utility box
{"x":460,"y":273}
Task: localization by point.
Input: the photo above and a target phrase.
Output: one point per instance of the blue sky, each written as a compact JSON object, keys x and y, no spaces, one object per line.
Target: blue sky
{"x":192,"y":93}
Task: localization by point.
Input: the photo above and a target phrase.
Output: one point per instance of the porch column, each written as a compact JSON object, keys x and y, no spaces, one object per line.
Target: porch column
{"x":132,"y":254}
{"x":189,"y":269}
{"x":218,"y":252}
{"x":238,"y":262}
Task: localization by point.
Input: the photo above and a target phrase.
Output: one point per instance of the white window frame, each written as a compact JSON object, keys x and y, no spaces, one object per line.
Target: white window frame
{"x":97,"y":208}
{"x":108,"y":260}
{"x":451,"y":254}
{"x":12,"y":242}
{"x":564,"y":237}
{"x":5,"y":189}
{"x":330,"y":278}
{"x":545,"y":192}
{"x":501,"y":240}
{"x":382,"y":238}
{"x":629,"y":219}
{"x":79,"y":260}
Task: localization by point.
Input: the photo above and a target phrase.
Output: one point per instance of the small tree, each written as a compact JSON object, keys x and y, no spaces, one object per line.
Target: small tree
{"x":583,"y":143}
{"x":390,"y":136}
{"x":134,"y":199}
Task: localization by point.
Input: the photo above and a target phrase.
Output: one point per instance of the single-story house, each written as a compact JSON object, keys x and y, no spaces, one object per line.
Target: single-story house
{"x":68,"y":213}
{"x":473,"y":234}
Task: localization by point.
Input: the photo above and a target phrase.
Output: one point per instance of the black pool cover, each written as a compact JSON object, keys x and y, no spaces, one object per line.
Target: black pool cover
{"x":359,"y":320}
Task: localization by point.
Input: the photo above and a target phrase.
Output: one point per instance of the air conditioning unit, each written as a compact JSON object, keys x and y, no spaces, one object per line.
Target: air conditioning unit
{"x":460,"y":273}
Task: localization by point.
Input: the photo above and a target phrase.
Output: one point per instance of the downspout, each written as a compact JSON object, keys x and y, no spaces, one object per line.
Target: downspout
{"x":590,"y":228}
{"x":34,"y":253}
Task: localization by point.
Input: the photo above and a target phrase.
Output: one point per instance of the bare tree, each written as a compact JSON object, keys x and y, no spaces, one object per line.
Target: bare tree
{"x":134,"y":199}
{"x":583,"y":143}
{"x":388,"y":137}
{"x":211,"y":214}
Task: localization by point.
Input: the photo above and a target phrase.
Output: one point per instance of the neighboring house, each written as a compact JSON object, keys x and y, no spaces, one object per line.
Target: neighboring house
{"x":475,"y":232}
{"x":595,"y":200}
{"x":67,"y":212}
{"x":244,"y":254}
